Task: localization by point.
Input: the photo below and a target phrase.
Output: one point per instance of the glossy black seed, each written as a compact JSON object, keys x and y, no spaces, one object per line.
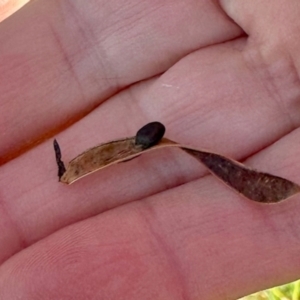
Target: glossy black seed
{"x":150,"y":134}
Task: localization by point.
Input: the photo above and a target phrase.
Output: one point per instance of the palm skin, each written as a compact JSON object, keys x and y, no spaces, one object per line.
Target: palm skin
{"x":221,"y":76}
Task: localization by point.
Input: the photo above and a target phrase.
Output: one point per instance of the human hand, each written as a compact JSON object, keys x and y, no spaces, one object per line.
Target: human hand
{"x":159,"y":226}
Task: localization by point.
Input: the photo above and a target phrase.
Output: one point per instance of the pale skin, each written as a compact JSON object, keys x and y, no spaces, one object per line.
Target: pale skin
{"x":219,"y":75}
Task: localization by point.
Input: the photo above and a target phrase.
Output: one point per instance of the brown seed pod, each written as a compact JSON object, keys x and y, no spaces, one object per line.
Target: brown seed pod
{"x":256,"y":186}
{"x":96,"y":158}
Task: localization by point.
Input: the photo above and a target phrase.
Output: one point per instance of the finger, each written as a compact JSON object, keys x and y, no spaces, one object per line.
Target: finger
{"x":8,"y":7}
{"x":272,"y":47}
{"x":177,"y":244}
{"x":249,"y":128}
{"x":59,"y":62}
{"x":272,"y":29}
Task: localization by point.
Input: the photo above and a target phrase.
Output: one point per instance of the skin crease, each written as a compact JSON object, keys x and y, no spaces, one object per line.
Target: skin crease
{"x":219,"y":75}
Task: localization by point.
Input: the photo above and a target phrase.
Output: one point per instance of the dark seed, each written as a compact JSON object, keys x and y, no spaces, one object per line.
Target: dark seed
{"x":150,"y":134}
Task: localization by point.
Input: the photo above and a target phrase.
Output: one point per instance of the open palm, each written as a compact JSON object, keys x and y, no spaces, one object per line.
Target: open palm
{"x":221,"y":76}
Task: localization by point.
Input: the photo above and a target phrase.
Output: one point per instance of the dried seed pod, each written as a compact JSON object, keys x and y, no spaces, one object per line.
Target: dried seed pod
{"x":111,"y":153}
{"x":150,"y":134}
{"x":256,"y":186}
